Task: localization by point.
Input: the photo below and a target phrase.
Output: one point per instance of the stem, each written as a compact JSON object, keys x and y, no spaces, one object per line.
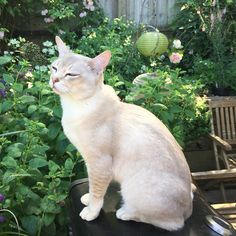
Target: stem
{"x":13,"y":233}
{"x":17,"y":223}
{"x":12,"y":133}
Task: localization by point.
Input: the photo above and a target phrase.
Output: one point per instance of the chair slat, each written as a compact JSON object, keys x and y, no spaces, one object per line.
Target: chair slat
{"x":222,"y":118}
{"x":232,"y":121}
{"x":228,"y":130}
{"x":218,"y":125}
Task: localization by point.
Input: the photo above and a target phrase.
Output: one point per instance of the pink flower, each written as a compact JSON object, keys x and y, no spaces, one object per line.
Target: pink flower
{"x":82,"y":14}
{"x":175,"y":57}
{"x":89,"y":5}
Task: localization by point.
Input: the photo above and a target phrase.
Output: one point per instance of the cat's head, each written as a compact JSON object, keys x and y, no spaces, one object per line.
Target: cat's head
{"x":76,"y":75}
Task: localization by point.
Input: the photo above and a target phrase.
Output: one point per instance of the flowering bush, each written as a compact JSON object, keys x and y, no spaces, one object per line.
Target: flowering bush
{"x":36,"y":159}
{"x":56,"y":16}
{"x":37,"y":162}
{"x":208,"y":29}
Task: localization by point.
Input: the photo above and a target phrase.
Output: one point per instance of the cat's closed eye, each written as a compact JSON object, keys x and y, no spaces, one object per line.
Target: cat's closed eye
{"x":72,"y":74}
{"x":54,"y":68}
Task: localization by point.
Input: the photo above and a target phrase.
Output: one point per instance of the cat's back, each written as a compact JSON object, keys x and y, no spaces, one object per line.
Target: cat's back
{"x":140,"y":119}
{"x":144,"y":139}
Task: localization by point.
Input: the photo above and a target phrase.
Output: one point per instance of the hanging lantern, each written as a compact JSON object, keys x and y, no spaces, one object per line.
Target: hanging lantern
{"x":152,"y":43}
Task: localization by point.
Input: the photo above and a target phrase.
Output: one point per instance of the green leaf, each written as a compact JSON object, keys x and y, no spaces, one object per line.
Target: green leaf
{"x":57,"y":111}
{"x":17,"y":87}
{"x":39,"y":149}
{"x":6,"y":106}
{"x":44,"y":109}
{"x":5,"y":59}
{"x":50,"y":206}
{"x":26,"y":99}
{"x":2,"y":86}
{"x":32,"y":208}
{"x":190,"y":113}
{"x":48,"y":219}
{"x":8,"y":78}
{"x":46,"y":92}
{"x":32,"y":109}
{"x":30,"y":224}
{"x":37,"y":162}
{"x":69,"y":165}
{"x":70,"y":148}
{"x":53,"y":167}
{"x":9,"y":162}
{"x":8,"y":177}
{"x":15,"y":150}
{"x":27,"y":192}
{"x":54,"y":129}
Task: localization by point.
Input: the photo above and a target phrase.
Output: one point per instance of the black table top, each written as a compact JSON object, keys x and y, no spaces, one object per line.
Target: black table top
{"x":108,"y":225}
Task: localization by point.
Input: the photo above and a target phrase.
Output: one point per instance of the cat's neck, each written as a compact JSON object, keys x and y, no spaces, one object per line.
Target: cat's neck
{"x":77,"y":110}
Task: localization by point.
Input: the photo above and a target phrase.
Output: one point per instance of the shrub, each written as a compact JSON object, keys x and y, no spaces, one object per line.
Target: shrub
{"x":207,"y":29}
{"x":173,"y":98}
{"x":118,"y":36}
{"x":37,"y":161}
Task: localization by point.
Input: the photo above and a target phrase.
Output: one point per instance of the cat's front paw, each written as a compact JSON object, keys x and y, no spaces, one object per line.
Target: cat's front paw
{"x":85,"y":199}
{"x":89,"y":214}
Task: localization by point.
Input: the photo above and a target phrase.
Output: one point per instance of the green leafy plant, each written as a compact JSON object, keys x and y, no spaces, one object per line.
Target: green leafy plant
{"x":207,"y":29}
{"x":56,"y":16}
{"x":36,"y":160}
{"x":172,"y":97}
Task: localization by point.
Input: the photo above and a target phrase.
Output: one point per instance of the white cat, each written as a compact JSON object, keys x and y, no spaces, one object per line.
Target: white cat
{"x":123,"y":142}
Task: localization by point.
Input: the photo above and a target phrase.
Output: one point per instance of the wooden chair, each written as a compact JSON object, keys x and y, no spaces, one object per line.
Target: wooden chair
{"x":223,"y":135}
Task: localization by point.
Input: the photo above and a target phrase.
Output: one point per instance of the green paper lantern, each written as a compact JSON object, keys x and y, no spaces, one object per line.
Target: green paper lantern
{"x":152,"y":43}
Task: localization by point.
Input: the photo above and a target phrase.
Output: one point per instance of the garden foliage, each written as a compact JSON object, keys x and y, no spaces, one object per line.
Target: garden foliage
{"x":208,"y":30}
{"x":37,"y":162}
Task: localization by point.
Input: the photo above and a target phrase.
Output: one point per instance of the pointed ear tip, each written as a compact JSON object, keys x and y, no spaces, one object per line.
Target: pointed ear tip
{"x":108,"y":52}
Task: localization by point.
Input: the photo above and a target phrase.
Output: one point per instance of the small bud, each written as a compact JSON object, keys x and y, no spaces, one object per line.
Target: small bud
{"x":2,"y":219}
{"x":2,"y":197}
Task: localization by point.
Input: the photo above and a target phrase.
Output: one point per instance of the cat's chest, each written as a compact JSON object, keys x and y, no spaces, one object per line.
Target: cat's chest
{"x":72,"y":132}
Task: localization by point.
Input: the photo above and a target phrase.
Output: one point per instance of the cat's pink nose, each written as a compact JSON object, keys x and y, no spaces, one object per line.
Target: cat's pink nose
{"x":55,"y":80}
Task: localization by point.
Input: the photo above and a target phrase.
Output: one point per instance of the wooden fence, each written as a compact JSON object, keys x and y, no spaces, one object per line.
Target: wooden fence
{"x":157,"y":13}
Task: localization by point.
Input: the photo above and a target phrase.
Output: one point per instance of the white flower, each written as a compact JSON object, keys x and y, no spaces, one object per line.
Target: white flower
{"x":30,"y":85}
{"x":44,"y":12}
{"x":28,"y":75}
{"x":61,"y":31}
{"x":82,"y":14}
{"x":168,"y":81}
{"x":190,"y":52}
{"x":177,"y":44}
{"x":48,"y":19}
{"x":153,"y":64}
{"x":1,"y":35}
{"x":91,"y":8}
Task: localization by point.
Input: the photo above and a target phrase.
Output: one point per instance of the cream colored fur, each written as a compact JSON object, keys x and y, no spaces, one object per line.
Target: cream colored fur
{"x":123,"y":142}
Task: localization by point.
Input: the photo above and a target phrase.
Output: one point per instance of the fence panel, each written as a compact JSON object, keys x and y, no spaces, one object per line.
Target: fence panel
{"x":158,"y":13}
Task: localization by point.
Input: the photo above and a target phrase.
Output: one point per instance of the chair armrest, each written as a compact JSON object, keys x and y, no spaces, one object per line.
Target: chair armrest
{"x":219,"y":141}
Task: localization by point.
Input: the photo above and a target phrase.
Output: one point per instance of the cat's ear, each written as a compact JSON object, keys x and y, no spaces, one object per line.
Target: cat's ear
{"x":99,"y":63}
{"x":62,"y":48}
